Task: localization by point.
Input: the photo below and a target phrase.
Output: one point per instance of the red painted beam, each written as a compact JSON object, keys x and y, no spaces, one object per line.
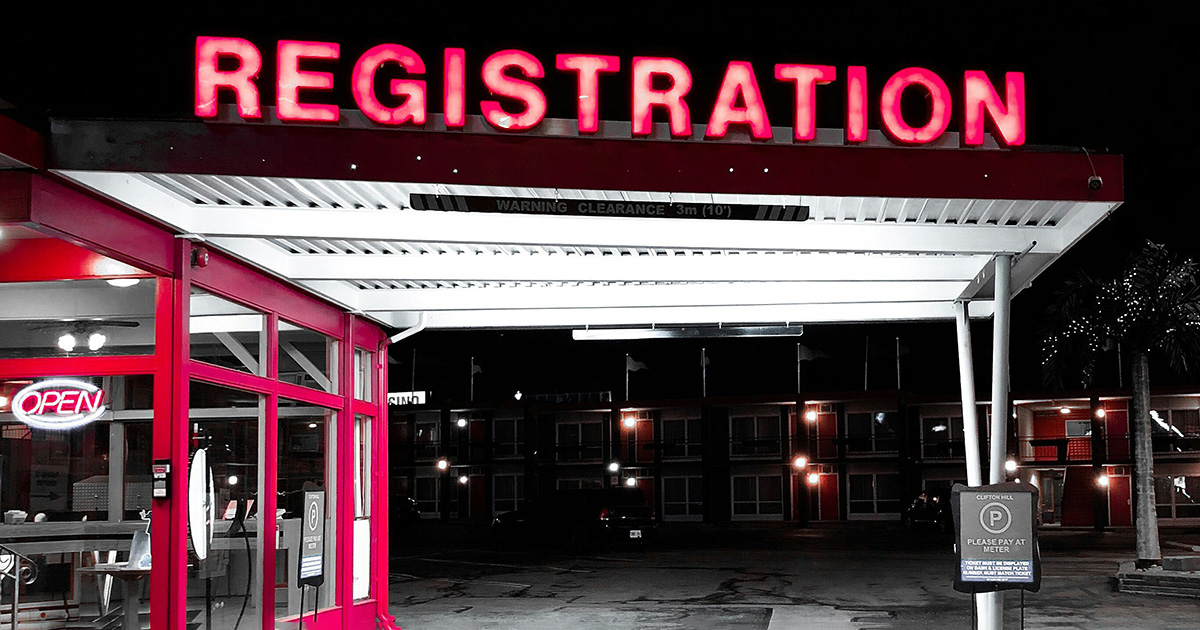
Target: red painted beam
{"x":46,"y":259}
{"x":270,"y":150}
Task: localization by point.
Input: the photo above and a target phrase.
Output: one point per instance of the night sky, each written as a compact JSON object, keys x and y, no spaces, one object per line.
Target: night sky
{"x":1105,"y":79}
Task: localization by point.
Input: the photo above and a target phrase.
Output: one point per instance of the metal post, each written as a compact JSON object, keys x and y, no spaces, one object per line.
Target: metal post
{"x":991,"y":613}
{"x":984,"y":603}
{"x":16,"y":604}
{"x":966,"y":381}
{"x":1000,"y":330}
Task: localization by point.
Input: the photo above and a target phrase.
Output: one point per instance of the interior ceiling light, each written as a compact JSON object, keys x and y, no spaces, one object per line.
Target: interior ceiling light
{"x":96,"y":341}
{"x":122,"y":283}
{"x":67,"y":342}
{"x":707,"y":332}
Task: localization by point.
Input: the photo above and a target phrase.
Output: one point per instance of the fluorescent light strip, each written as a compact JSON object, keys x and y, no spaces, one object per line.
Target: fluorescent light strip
{"x":595,"y":334}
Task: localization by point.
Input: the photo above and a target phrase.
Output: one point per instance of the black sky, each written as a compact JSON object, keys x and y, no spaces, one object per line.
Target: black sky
{"x":1105,"y":78}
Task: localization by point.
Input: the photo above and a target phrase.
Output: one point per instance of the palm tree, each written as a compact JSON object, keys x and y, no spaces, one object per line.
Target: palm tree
{"x":1151,"y":306}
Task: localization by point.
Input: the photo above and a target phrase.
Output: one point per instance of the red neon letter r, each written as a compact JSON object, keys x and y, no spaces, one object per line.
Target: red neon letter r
{"x":646,"y":97}
{"x":209,"y":77}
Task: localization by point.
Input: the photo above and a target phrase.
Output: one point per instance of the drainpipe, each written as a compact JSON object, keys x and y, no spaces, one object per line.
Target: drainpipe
{"x":422,"y":323}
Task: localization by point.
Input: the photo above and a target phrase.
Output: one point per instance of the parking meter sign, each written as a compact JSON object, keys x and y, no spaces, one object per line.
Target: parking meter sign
{"x":996,"y":537}
{"x":312,"y":538}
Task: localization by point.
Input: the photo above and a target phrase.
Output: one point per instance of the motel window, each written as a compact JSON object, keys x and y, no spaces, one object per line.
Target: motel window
{"x":1176,"y":430}
{"x":580,"y":441}
{"x":681,"y":437}
{"x":874,"y":493}
{"x":683,"y":498}
{"x":508,"y":491}
{"x":505,"y":432}
{"x":942,"y":437}
{"x":755,"y":435}
{"x":579,"y":484}
{"x":76,"y":318}
{"x":1078,"y":428}
{"x":425,"y":439}
{"x":872,"y":432}
{"x":307,"y":358}
{"x":428,"y":491}
{"x":760,"y":495}
{"x":1177,"y":496}
{"x":227,"y":334}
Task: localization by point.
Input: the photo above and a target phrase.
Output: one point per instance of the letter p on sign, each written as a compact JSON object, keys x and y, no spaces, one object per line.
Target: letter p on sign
{"x":995,"y":518}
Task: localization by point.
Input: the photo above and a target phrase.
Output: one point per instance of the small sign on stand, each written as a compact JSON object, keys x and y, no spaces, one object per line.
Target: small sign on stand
{"x":996,"y":535}
{"x":312,"y":538}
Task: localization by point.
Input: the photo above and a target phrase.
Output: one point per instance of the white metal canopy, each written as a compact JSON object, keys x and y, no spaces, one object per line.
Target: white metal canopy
{"x":359,"y":244}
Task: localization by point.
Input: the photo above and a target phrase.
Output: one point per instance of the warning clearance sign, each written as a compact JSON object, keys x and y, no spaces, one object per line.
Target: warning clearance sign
{"x":996,"y":534}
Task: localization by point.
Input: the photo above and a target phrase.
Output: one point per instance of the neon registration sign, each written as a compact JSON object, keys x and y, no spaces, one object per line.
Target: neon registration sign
{"x":58,"y":404}
{"x":660,"y":87}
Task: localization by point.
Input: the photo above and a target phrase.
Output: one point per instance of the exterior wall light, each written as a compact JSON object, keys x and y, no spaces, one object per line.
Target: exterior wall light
{"x":1064,"y":410}
{"x":1100,"y":413}
{"x":1010,"y":465}
{"x":233,"y":480}
{"x":462,"y":423}
{"x":800,"y":461}
{"x":443,"y":464}
{"x":629,"y":422}
{"x":811,"y":415}
{"x":614,"y":467}
{"x":463,"y":480}
{"x":814,"y":479}
{"x":1102,"y":481}
{"x":631,"y":481}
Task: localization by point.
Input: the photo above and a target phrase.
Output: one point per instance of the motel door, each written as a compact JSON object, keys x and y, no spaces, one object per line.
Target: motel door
{"x":1051,"y":483}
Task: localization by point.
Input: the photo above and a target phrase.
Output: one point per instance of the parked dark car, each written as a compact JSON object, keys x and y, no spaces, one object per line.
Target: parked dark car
{"x":404,"y":511}
{"x":930,"y":509}
{"x":581,"y":519}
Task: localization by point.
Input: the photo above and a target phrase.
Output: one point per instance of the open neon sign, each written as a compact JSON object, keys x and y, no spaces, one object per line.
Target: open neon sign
{"x":58,"y":404}
{"x":660,"y":85}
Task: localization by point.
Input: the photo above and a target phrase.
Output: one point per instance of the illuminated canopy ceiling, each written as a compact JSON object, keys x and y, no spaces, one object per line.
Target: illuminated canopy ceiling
{"x":890,"y":235}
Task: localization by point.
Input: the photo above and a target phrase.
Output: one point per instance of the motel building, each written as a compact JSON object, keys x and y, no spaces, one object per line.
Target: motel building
{"x":857,"y":456}
{"x":195,"y":313}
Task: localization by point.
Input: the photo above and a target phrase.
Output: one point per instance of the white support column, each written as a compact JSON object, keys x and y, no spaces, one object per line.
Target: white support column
{"x":1000,"y":335}
{"x":966,"y":382}
{"x":991,"y":608}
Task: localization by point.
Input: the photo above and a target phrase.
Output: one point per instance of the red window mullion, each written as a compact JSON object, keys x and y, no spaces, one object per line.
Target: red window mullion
{"x":79,"y":366}
{"x":230,"y":377}
{"x":270,"y":468}
{"x":310,"y":396}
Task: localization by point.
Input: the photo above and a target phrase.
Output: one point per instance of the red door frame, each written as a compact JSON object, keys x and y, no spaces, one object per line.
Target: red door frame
{"x":54,"y":207}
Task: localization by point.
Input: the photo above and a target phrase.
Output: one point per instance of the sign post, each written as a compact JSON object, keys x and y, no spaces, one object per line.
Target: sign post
{"x":996,"y":538}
